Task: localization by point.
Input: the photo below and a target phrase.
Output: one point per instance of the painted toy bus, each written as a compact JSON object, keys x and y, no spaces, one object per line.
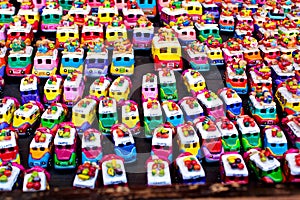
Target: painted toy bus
{"x":65,"y":146}
{"x":291,"y":127}
{"x":166,"y":50}
{"x":211,"y":8}
{"x":120,"y":88}
{"x":108,"y":115}
{"x":131,"y":15}
{"x":79,"y":13}
{"x":41,"y":148}
{"x":7,"y":14}
{"x":172,"y":112}
{"x":19,"y":31}
{"x":203,"y":31}
{"x":211,"y":103}
{"x":185,"y":32}
{"x":170,"y":16}
{"x":124,"y":144}
{"x":99,"y":88}
{"x":211,"y":147}
{"x":12,"y":180}
{"x":269,"y":54}
{"x":130,"y":116}
{"x":196,"y":55}
{"x":84,"y":114}
{"x":92,"y":30}
{"x":72,"y":61}
{"x":193,"y":8}
{"x":226,"y":23}
{"x":275,"y":141}
{"x":260,"y":77}
{"x":161,"y":4}
{"x":73,"y":88}
{"x":191,"y":108}
{"x":9,"y":147}
{"x":233,"y":169}
{"x":158,"y":171}
{"x":149,"y":87}
{"x":66,"y":32}
{"x":106,"y":14}
{"x":250,"y":132}
{"x":32,"y":16}
{"x":41,"y":176}
{"x":232,"y":50}
{"x":143,"y":34}
{"x":230,"y":135}
{"x":167,"y":85}
{"x":115,"y":31}
{"x":162,"y":142}
{"x":82,"y":180}
{"x":51,"y":18}
{"x":152,"y":116}
{"x":148,"y":7}
{"x":282,"y":72}
{"x":291,"y":165}
{"x":8,"y":106}
{"x":233,"y":103}
{"x":29,"y":89}
{"x":27,"y":118}
{"x":188,"y":140}
{"x":215,"y":56}
{"x":91,"y":146}
{"x":66,"y":5}
{"x":96,"y":63}
{"x":53,"y":89}
{"x":194,"y":81}
{"x":236,"y":78}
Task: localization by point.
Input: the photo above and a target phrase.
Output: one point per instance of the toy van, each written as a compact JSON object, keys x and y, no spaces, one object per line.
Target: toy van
{"x":55,"y":114}
{"x":108,"y":115}
{"x":32,"y":16}
{"x":79,"y":12}
{"x":232,"y":52}
{"x":203,"y":31}
{"x":8,"y":106}
{"x":89,"y":180}
{"x":18,"y":30}
{"x":211,"y":103}
{"x":51,"y":18}
{"x":196,"y":55}
{"x":211,"y":147}
{"x":233,"y":103}
{"x":214,"y":52}
{"x":169,"y":16}
{"x":166,"y":50}
{"x":158,"y":172}
{"x":250,"y":132}
{"x":39,"y":4}
{"x":3,"y":60}
{"x":84,"y":114}
{"x":194,"y":81}
{"x":148,"y":7}
{"x":193,"y":8}
{"x":294,"y":17}
{"x":113,"y":170}
{"x":152,"y":116}
{"x":161,"y":4}
{"x":41,"y":177}
{"x":99,"y":88}
{"x":189,"y":170}
{"x":115,"y":31}
{"x":282,"y":71}
{"x":91,"y":146}
{"x":211,"y":8}
{"x":94,"y":4}
{"x":65,"y":146}
{"x":149,"y":87}
{"x":291,"y":127}
{"x":92,"y":30}
{"x":291,"y":165}
{"x":184,"y":31}
{"x":258,"y":20}
{"x":230,"y":135}
{"x":269,"y":54}
{"x":73,"y":88}
{"x":41,"y":148}
{"x":167,"y":85}
{"x":143,"y":34}
{"x":7,"y":13}
{"x":27,"y":118}
{"x":260,"y":76}
{"x":188,"y":140}
{"x":53,"y":89}
{"x":66,"y":5}
{"x":71,"y":60}
{"x":66,"y":31}
{"x":226,"y":23}
{"x":173,"y":112}
{"x":233,"y":169}
{"x":12,"y":179}
{"x":130,"y":116}
{"x":124,"y":142}
{"x":106,"y":14}
{"x":275,"y":141}
{"x":265,"y":167}
{"x":9,"y":146}
{"x":120,"y":88}
{"x":131,"y":15}
{"x":191,"y":108}
{"x":162,"y":142}
{"x":29,"y":89}
{"x":236,"y":78}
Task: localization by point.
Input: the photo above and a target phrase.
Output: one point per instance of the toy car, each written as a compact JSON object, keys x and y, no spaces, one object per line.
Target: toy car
{"x":226,"y":21}
{"x":193,"y":8}
{"x":194,"y":81}
{"x":130,"y":116}
{"x":66,"y":5}
{"x":143,"y":34}
{"x":120,"y":88}
{"x":188,"y":140}
{"x":36,"y":179}
{"x":106,"y":13}
{"x":291,"y":165}
{"x":191,"y":108}
{"x":260,"y":76}
{"x":184,"y":30}
{"x":92,"y":30}
{"x":27,"y":118}
{"x":91,"y":146}
{"x":158,"y":172}
{"x":170,"y":14}
{"x":233,"y":168}
{"x":51,"y":17}
{"x":131,"y":15}
{"x":53,"y":89}
{"x":211,"y":148}
{"x":7,"y":13}
{"x":65,"y":146}
{"x":167,"y":89}
{"x":66,"y":30}
{"x":291,"y":127}
{"x":73,"y":88}
{"x":29,"y":89}
{"x":115,"y":31}
{"x":41,"y":148}
{"x":8,"y":146}
{"x":113,"y":170}
{"x":281,"y":72}
{"x":149,"y":87}
{"x":152,"y":116}
{"x":196,"y":55}
{"x":8,"y":106}
{"x":148,"y":7}
{"x":79,"y":10}
{"x":86,"y":175}
{"x":204,"y":31}
{"x":232,"y":51}
{"x":31,"y":15}
{"x":173,"y":112}
{"x":11,"y":174}
{"x":214,"y":52}
{"x":108,"y":115}
{"x":19,"y":29}
{"x":99,"y":88}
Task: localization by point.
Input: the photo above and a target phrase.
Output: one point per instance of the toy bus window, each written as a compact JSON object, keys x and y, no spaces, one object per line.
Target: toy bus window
{"x":242,"y":80}
{"x":164,"y":0}
{"x":23,"y":58}
{"x":178,"y":116}
{"x":67,"y":88}
{"x":83,"y":116}
{"x":250,"y":54}
{"x":40,"y":61}
{"x":56,"y":16}
{"x":288,"y":53}
{"x":281,"y":144}
{"x":126,"y":118}
{"x":23,"y":34}
{"x":119,"y":93}
{"x":1,"y":116}
{"x":62,"y":34}
{"x":34,"y":148}
{"x":133,"y":117}
{"x":75,"y":59}
{"x":111,"y":115}
{"x":48,"y":61}
{"x":272,"y":110}
{"x":81,"y":16}
{"x":76,"y":114}
{"x":103,"y":15}
{"x":99,"y":92}
{"x":7,"y":16}
{"x":13,"y":34}
{"x":104,"y":116}
{"x":206,"y":31}
{"x":247,"y":134}
{"x":121,"y":145}
{"x":184,"y":33}
{"x":111,"y":14}
{"x":212,"y":53}
{"x":255,"y":134}
{"x":71,"y":34}
{"x":87,"y":33}
{"x":111,"y":33}
{"x":51,"y":120}
{"x":92,"y":60}
{"x":163,"y":50}
{"x":172,"y":118}
{"x":126,"y":59}
{"x":173,"y":50}
{"x":118,"y":58}
{"x":139,"y":34}
{"x":131,"y":16}
{"x":68,"y":146}
{"x":30,"y":16}
{"x":23,"y":118}
{"x":47,"y":16}
{"x":166,"y":148}
{"x":2,"y":150}
{"x":120,"y":34}
{"x":42,"y":148}
{"x":66,"y":59}
{"x":235,"y":80}
{"x":273,"y":145}
{"x":186,"y":145}
{"x":74,"y":89}
{"x":100,"y":60}
{"x":59,"y":146}
{"x":96,"y":34}
{"x":295,"y":104}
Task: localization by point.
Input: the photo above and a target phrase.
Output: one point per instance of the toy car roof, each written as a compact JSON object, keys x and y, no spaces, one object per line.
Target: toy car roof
{"x":207,"y":134}
{"x":58,"y":11}
{"x":9,"y":143}
{"x":152,"y":112}
{"x":122,"y":140}
{"x":257,"y":79}
{"x":275,"y":139}
{"x":187,"y":139}
{"x":196,"y":110}
{"x":34,"y":144}
{"x":27,"y":53}
{"x":261,"y":104}
{"x":235,"y":98}
{"x":43,"y":182}
{"x":291,"y":161}
{"x":19,"y":29}
{"x":179,"y":29}
{"x":214,"y":102}
{"x":159,"y":43}
{"x":249,"y":129}
{"x":169,"y":11}
{"x":129,"y":54}
{"x":265,"y":50}
{"x":271,"y":32}
{"x":191,"y":79}
{"x":294,"y":127}
{"x":223,"y":17}
{"x":8,"y":186}
{"x":75,"y":83}
{"x":116,"y":29}
{"x":147,"y":83}
{"x":267,"y":165}
{"x":229,"y":171}
{"x":209,"y":5}
{"x":170,"y":78}
{"x":186,"y":174}
{"x":156,"y":179}
{"x":53,"y":56}
{"x":103,"y":109}
{"x":231,"y":74}
{"x":52,"y":85}
{"x":83,"y":11}
{"x":147,"y":29}
{"x":73,"y":29}
{"x":91,"y":143}
{"x":28,"y":112}
{"x":65,"y":140}
{"x":232,"y":53}
{"x":127,"y":11}
{"x":84,"y":106}
{"x":195,"y":54}
{"x":242,"y":18}
{"x":108,"y":10}
{"x":33,"y":11}
{"x":77,"y":54}
{"x":27,"y":86}
{"x":6,"y":106}
{"x":206,"y":26}
{"x":98,"y":28}
{"x":191,"y":3}
{"x":118,"y":88}
{"x":225,"y":131}
{"x":56,"y":115}
{"x":8,"y":11}
{"x":279,"y":72}
{"x":97,"y":55}
{"x":290,"y":30}
{"x":250,"y":6}
{"x":90,"y":183}
{"x":171,"y":112}
{"x":131,"y":112}
{"x":162,"y":141}
{"x":117,"y":179}
{"x":100,"y":86}
{"x":283,"y":49}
